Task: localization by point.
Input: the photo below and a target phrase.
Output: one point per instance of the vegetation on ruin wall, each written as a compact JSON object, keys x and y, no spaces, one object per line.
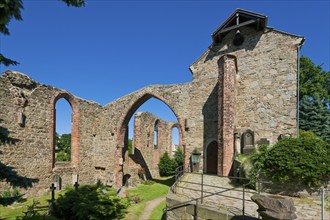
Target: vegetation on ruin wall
{"x":303,"y":161}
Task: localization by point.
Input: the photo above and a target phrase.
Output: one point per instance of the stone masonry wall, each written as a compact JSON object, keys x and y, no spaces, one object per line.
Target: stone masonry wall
{"x":265,"y":102}
{"x":145,"y":155}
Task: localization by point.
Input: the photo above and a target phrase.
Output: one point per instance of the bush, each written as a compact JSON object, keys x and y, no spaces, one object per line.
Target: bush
{"x":304,"y":161}
{"x":252,"y":165}
{"x":307,"y":134}
{"x":166,"y":165}
{"x":90,"y":202}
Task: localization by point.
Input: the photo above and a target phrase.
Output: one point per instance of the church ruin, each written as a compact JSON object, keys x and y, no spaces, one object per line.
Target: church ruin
{"x":243,"y":93}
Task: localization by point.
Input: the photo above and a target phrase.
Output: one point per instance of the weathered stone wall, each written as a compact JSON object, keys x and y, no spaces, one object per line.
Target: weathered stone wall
{"x":265,"y":91}
{"x":27,"y":149}
{"x":266,"y":80}
{"x":145,"y":155}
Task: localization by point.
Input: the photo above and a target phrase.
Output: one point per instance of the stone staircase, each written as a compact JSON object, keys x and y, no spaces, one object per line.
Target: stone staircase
{"x":228,"y":199}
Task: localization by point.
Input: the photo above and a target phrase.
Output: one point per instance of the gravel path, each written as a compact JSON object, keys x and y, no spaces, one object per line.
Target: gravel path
{"x":150,"y":206}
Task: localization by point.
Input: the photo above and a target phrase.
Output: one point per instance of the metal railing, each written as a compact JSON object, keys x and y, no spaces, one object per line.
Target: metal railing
{"x":323,"y":190}
{"x":179,"y":173}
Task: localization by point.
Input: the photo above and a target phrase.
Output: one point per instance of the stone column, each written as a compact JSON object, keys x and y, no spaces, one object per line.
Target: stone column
{"x":226,"y":106}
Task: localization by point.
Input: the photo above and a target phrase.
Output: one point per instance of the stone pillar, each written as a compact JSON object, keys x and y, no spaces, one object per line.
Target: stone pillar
{"x":226,"y":106}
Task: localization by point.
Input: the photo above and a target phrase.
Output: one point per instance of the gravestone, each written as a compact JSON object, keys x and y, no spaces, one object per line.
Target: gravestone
{"x":264,"y":141}
{"x":57,"y":182}
{"x":247,"y":142}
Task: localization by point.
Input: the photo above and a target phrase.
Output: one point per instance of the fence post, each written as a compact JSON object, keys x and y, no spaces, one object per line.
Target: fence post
{"x":243,"y":200}
{"x":202,"y":188}
{"x":196,"y":210}
{"x":322,"y":202}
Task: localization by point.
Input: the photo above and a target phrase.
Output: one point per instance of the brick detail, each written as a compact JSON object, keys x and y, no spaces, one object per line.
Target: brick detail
{"x":226,"y":106}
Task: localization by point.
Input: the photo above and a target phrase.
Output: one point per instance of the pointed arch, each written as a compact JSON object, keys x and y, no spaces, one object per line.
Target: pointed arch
{"x":75,"y":143}
{"x":122,"y":128}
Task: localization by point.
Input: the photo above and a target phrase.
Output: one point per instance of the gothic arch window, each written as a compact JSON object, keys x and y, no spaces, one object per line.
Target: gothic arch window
{"x":156,"y":134}
{"x":175,"y":141}
{"x":63,"y":127}
{"x":72,"y":159}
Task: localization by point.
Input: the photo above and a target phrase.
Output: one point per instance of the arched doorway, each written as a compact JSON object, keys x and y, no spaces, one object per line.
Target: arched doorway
{"x":212,"y":158}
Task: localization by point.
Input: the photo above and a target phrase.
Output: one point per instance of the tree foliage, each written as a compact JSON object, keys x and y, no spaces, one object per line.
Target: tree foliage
{"x":178,"y":157}
{"x":10,"y":9}
{"x":315,"y":116}
{"x":166,"y":165}
{"x":64,"y":147}
{"x":314,"y":81}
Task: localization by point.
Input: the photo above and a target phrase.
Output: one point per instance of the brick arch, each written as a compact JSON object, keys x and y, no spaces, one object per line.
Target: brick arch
{"x":122,"y":128}
{"x":75,"y":143}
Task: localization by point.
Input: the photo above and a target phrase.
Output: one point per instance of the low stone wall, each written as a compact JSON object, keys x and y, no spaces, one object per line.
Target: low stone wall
{"x":188,"y":211}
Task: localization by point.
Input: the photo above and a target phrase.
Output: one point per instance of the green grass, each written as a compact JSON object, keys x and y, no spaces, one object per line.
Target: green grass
{"x":17,"y":209}
{"x":147,"y":193}
{"x":157,"y":213}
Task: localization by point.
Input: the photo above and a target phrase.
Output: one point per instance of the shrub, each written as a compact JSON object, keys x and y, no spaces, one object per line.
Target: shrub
{"x":307,"y":134}
{"x":252,"y":165}
{"x":304,"y":161}
{"x":166,"y":165}
{"x":90,"y":202}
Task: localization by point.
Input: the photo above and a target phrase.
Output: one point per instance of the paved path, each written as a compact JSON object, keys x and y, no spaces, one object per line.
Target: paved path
{"x":150,"y":206}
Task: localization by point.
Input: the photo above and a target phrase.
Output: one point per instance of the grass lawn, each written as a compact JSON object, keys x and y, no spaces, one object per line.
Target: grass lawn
{"x":17,"y":209}
{"x":147,"y":193}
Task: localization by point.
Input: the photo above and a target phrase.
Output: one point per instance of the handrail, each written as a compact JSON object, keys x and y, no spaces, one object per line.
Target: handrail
{"x":179,"y":173}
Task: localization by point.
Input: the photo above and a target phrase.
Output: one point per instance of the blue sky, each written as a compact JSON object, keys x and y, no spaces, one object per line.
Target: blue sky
{"x":109,"y":49}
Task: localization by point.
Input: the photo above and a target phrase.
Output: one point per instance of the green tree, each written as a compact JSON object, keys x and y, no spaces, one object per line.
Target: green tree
{"x":314,"y":81}
{"x":178,"y":157}
{"x":314,"y":116}
{"x":64,"y":147}
{"x":10,"y":9}
{"x":166,"y":165}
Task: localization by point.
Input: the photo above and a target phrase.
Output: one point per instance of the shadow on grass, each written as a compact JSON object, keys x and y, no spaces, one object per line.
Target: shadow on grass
{"x":168,"y":182}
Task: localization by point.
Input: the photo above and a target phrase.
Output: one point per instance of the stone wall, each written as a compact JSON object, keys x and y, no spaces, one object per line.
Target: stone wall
{"x":145,"y":154}
{"x":265,"y":101}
